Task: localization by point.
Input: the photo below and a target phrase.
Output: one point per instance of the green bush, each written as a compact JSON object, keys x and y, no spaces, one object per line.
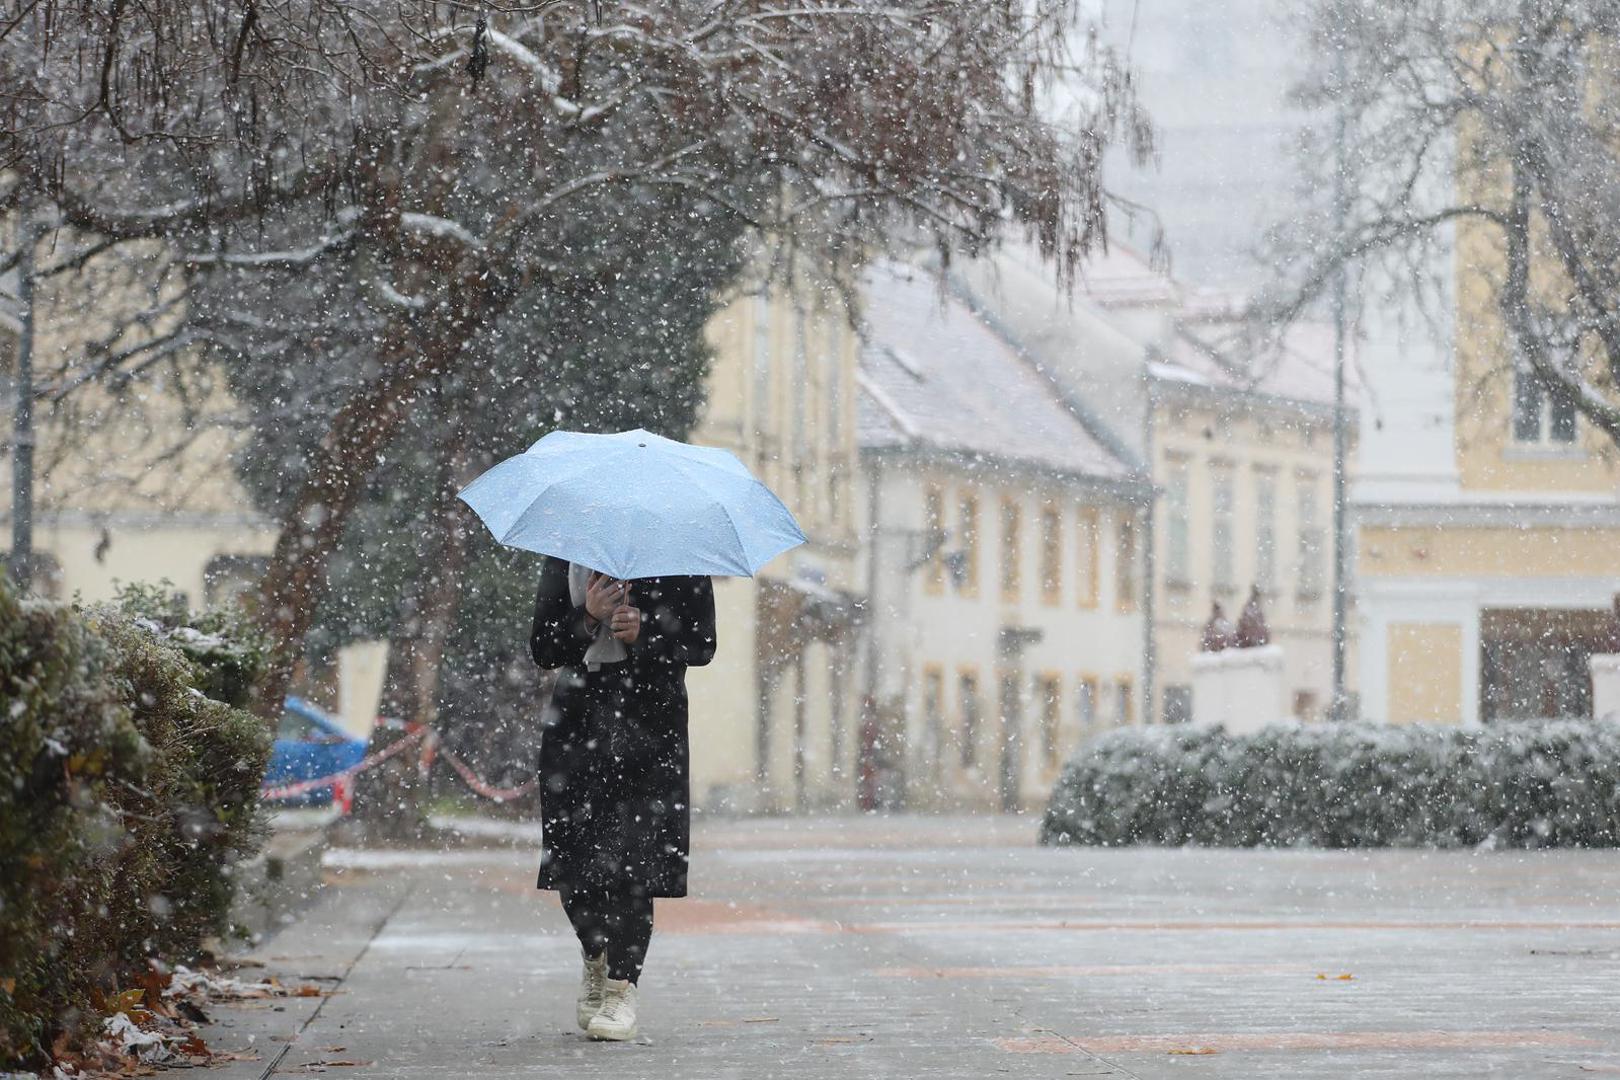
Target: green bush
{"x":228,"y":648}
{"x":67,"y":741}
{"x":1553,"y":784}
{"x":126,"y":793}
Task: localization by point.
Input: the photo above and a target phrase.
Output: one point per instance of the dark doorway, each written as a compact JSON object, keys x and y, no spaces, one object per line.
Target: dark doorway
{"x":1534,"y":662}
{"x":1012,"y":719}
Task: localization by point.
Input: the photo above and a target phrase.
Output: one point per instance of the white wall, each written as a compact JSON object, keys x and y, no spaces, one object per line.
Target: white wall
{"x":951,"y":632}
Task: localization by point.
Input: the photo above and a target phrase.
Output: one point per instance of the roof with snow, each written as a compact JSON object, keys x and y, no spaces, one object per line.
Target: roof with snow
{"x":933,"y":376}
{"x":1299,"y":368}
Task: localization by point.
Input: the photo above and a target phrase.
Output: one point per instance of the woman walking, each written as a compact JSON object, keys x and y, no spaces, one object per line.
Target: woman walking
{"x":614,"y":774}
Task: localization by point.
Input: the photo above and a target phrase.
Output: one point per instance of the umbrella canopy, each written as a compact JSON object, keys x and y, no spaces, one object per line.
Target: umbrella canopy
{"x":634,"y":505}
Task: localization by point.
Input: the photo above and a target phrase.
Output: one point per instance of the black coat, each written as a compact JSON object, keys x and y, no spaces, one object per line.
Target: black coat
{"x":615,"y":784}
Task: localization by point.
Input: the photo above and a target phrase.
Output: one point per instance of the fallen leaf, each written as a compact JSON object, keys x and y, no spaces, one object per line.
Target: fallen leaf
{"x":1346,"y":977}
{"x":9,"y":985}
{"x":309,"y":991}
{"x":335,"y":1063}
{"x":1193,"y":1051}
{"x":128,"y":1001}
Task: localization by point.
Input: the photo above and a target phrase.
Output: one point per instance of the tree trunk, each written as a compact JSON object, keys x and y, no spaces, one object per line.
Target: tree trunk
{"x":295,"y":581}
{"x":390,"y":806}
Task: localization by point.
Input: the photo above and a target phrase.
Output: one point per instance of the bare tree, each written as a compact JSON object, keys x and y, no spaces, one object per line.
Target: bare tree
{"x":440,"y":158}
{"x":1489,"y":125}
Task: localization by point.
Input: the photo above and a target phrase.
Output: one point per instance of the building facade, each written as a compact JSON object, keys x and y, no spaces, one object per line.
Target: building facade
{"x":1245,"y":471}
{"x":101,"y":516}
{"x":1239,"y":448}
{"x":1003,"y":559}
{"x":1487,"y":517}
{"x":778,"y":727}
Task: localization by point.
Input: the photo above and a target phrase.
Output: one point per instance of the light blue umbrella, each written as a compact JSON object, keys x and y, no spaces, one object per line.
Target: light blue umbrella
{"x":634,"y":505}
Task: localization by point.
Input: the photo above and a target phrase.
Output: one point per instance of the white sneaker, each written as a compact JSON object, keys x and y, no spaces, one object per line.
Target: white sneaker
{"x":616,"y":1020}
{"x":590,"y":989}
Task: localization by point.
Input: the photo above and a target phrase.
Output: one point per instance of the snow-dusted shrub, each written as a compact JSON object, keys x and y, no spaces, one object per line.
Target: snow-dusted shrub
{"x":1551,"y":784}
{"x":125,"y":795}
{"x":230,"y":651}
{"x":66,"y":740}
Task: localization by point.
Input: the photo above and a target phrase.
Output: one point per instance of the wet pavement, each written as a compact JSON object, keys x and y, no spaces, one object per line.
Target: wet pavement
{"x":955,"y":947}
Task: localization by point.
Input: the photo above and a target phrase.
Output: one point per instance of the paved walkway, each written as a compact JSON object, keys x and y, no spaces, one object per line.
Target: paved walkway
{"x":927,"y":947}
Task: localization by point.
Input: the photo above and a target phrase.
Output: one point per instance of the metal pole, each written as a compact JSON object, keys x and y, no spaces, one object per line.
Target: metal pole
{"x":1150,"y":560}
{"x":1339,"y":703}
{"x":22,"y":440}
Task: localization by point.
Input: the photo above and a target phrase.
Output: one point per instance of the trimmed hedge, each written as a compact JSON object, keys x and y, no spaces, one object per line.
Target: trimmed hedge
{"x":126,"y":793}
{"x":1554,"y":784}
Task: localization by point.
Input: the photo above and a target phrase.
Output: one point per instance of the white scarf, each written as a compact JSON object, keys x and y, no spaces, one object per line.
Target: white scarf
{"x":604,"y":648}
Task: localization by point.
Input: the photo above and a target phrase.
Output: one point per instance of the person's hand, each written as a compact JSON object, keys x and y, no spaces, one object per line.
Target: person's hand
{"x":626,"y":622}
{"x":604,"y":595}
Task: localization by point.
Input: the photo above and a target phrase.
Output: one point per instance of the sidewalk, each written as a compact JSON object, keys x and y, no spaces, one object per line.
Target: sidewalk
{"x":926,"y":947}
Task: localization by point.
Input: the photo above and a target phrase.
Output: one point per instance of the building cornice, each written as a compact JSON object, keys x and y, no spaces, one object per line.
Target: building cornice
{"x":991,"y":468}
{"x":147,"y":519}
{"x":1543,"y":513}
{"x":1166,"y":391}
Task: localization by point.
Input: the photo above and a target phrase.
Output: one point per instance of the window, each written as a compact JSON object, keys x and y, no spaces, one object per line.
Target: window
{"x":835,"y":380}
{"x":1125,"y":564}
{"x":801,"y":392}
{"x":762,"y":363}
{"x":1051,"y":556}
{"x":1085,"y":703}
{"x":1178,"y":704}
{"x":968,"y":690}
{"x":1177,"y":569}
{"x":1265,"y":531}
{"x":933,"y":734}
{"x":1223,"y":570}
{"x":1086,"y":532}
{"x":969,"y":551}
{"x":1124,"y":708}
{"x":1010,"y":700}
{"x":1011,"y":549}
{"x":835,"y":486}
{"x":1312,"y":540}
{"x":934,"y":518}
{"x":1049,"y":692}
{"x":1540,"y":416}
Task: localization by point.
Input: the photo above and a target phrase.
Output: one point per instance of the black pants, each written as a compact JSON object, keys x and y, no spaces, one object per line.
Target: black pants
{"x":619,"y":924}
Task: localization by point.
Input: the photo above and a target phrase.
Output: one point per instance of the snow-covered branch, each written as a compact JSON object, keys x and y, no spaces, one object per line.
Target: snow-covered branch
{"x":440,"y":229}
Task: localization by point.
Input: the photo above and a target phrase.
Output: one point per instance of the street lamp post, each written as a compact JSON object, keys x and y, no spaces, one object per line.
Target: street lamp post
{"x":1339,"y":705}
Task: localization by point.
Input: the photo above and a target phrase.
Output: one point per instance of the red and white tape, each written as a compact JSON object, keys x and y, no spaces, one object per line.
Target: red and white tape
{"x":481,"y":786}
{"x":341,"y":782}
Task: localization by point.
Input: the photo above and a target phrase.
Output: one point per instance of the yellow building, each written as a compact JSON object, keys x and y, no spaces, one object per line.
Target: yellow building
{"x":776,"y":729}
{"x":1487,"y":520}
{"x":135,"y":489}
{"x":775,"y":717}
{"x":1244,"y":465}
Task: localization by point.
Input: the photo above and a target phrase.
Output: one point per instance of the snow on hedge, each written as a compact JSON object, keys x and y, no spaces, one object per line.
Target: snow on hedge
{"x":1554,"y":784}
